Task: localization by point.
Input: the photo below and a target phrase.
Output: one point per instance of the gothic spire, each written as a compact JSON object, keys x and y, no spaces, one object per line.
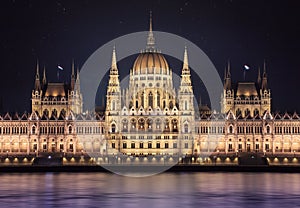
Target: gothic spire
{"x":258,"y":77}
{"x":77,"y":74}
{"x":228,"y":69}
{"x":44,"y":76}
{"x":37,"y":76}
{"x":73,"y":70}
{"x":227,"y":84}
{"x":264,"y":84}
{"x":77,"y":83}
{"x":185,"y":59}
{"x":73,"y":76}
{"x":150,"y":39}
{"x":185,"y":74}
{"x":114,"y":59}
{"x":37,"y":85}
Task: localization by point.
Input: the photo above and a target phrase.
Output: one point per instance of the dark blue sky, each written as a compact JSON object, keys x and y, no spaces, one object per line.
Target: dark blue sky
{"x":55,"y":32}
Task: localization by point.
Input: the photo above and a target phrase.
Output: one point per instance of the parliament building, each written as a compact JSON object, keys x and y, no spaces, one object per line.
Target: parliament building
{"x":150,"y":117}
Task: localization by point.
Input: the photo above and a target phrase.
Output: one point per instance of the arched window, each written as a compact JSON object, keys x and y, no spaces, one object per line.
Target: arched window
{"x":113,"y":105}
{"x":174,"y":125}
{"x":125,"y":125}
{"x":185,"y":105}
{"x":157,"y":122}
{"x":141,"y":124}
{"x":268,"y":130}
{"x":133,"y":125}
{"x":113,"y":128}
{"x":158,"y":100}
{"x":164,"y":104}
{"x":149,"y":124}
{"x":136,"y":104}
{"x":171,"y":104}
{"x":167,"y":125}
{"x":230,"y":129}
{"x":70,"y":129}
{"x":150,"y":100}
{"x":33,"y":130}
{"x":143,"y":99}
{"x":186,"y":128}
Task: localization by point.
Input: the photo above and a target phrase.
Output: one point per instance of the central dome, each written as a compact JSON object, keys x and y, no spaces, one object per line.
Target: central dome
{"x":150,"y":63}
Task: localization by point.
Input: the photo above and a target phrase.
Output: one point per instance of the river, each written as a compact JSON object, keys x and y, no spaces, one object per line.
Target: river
{"x":163,"y":190}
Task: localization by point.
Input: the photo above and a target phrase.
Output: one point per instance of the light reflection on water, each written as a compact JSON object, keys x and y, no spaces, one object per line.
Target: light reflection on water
{"x":164,"y":190}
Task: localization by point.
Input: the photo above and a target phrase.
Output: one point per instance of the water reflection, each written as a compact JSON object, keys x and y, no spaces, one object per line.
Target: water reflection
{"x":164,"y":190}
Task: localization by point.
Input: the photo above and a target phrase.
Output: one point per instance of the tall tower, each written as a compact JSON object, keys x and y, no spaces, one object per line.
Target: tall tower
{"x":36,"y":94}
{"x":265,"y":92}
{"x":113,"y":96}
{"x":186,"y":107}
{"x":247,"y":98}
{"x":186,"y":95}
{"x":228,"y":94}
{"x":74,"y":95}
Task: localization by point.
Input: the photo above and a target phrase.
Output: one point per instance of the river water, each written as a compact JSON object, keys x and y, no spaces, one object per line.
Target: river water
{"x":163,"y":190}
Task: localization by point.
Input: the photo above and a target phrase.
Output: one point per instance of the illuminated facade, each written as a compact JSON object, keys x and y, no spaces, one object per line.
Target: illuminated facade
{"x":150,"y":117}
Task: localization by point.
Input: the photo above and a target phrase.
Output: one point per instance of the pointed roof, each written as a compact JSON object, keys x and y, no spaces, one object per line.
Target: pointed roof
{"x":227,"y":84}
{"x":150,"y":39}
{"x":114,"y":59}
{"x":277,"y":116}
{"x":37,"y":76}
{"x":267,"y":115}
{"x":7,"y":116}
{"x":37,"y":84}
{"x":73,"y":76}
{"x":77,"y":83}
{"x":258,"y":76}
{"x":246,"y":89}
{"x":230,"y":115}
{"x":264,"y":84}
{"x":295,"y":116}
{"x":16,"y":116}
{"x":44,"y":76}
{"x":185,"y":59}
{"x":286,"y":116}
{"x":24,"y":117}
{"x":73,"y":69}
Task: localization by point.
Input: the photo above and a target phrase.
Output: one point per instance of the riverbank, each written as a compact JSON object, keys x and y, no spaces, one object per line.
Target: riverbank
{"x":149,"y":168}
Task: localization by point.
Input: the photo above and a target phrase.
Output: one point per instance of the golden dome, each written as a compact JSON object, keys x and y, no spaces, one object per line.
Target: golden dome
{"x":150,"y":63}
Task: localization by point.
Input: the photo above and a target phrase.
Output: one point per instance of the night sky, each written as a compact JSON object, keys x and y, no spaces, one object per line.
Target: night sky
{"x":55,"y":32}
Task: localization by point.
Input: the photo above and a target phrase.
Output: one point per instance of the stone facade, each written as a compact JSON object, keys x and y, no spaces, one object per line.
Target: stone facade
{"x":150,"y":117}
